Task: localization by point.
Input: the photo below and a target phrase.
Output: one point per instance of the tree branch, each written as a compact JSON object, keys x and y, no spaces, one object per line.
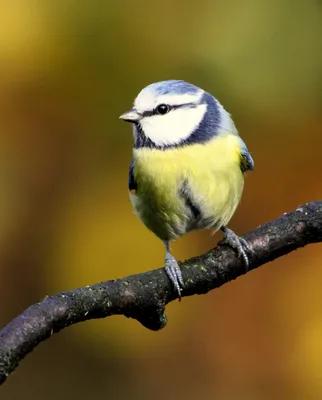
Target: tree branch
{"x":144,"y":296}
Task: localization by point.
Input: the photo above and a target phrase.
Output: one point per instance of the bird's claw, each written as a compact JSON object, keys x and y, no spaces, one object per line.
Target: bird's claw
{"x":239,"y":244}
{"x":244,"y":244}
{"x":174,"y":273}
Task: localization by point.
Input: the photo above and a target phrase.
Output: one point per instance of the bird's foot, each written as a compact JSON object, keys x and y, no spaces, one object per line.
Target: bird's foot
{"x":239,"y":244}
{"x":174,"y":273}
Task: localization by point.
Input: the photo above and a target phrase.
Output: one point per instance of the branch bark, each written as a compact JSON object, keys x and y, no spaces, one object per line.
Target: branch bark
{"x":144,"y":296}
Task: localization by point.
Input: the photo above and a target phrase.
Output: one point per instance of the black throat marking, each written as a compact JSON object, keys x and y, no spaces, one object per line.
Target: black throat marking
{"x":206,"y":130}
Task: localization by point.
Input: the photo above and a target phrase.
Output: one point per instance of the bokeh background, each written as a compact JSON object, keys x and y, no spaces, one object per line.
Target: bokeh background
{"x":68,"y":69}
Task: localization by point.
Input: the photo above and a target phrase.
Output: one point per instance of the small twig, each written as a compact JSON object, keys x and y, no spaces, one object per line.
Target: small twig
{"x":144,"y":296}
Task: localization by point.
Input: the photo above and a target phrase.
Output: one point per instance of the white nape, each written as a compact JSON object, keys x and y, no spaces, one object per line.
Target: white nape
{"x":226,"y":123}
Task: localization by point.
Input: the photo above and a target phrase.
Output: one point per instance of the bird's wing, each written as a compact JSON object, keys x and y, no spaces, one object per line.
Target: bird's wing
{"x":185,"y":193}
{"x":246,"y":160}
{"x":132,"y":183}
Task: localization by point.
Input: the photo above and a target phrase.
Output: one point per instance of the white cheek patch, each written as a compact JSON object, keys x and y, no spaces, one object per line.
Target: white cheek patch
{"x":174,"y":127}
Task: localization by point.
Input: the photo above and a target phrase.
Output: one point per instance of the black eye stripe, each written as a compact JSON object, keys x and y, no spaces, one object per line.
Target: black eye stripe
{"x":155,"y":112}
{"x":171,"y":107}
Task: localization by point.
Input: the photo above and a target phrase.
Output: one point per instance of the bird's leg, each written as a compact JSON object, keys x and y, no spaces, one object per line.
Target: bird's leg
{"x":172,"y":269}
{"x":239,"y":244}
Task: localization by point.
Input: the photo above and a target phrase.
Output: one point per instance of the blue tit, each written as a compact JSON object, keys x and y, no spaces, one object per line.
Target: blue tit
{"x":188,"y":165}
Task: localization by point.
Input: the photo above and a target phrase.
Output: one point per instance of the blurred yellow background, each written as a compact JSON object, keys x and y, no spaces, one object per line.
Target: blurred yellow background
{"x":68,"y":69}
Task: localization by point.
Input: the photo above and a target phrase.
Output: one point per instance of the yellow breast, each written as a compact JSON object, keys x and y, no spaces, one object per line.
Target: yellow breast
{"x":215,"y":181}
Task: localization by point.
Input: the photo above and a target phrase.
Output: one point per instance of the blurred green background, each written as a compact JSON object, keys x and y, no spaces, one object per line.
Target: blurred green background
{"x":68,"y":69}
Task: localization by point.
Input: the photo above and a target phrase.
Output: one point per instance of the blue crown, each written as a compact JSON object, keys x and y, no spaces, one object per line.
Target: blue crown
{"x":173,"y":87}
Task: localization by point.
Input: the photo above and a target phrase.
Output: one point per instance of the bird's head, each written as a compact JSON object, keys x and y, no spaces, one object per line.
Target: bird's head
{"x":173,"y":113}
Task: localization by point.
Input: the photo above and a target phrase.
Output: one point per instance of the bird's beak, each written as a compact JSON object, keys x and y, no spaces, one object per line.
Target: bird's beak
{"x":131,"y":116}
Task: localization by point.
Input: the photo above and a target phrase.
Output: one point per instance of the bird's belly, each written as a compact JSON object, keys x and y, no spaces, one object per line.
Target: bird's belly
{"x":166,"y":212}
{"x":190,"y":188}
{"x":161,"y":210}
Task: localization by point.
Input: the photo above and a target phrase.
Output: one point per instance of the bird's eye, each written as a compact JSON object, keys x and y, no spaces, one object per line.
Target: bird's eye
{"x":162,"y":109}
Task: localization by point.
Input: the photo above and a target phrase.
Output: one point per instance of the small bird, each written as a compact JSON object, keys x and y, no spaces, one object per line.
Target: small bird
{"x":187,"y":168}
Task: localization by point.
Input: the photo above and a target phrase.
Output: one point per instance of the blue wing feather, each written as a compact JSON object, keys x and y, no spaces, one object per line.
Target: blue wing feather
{"x":246,"y":161}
